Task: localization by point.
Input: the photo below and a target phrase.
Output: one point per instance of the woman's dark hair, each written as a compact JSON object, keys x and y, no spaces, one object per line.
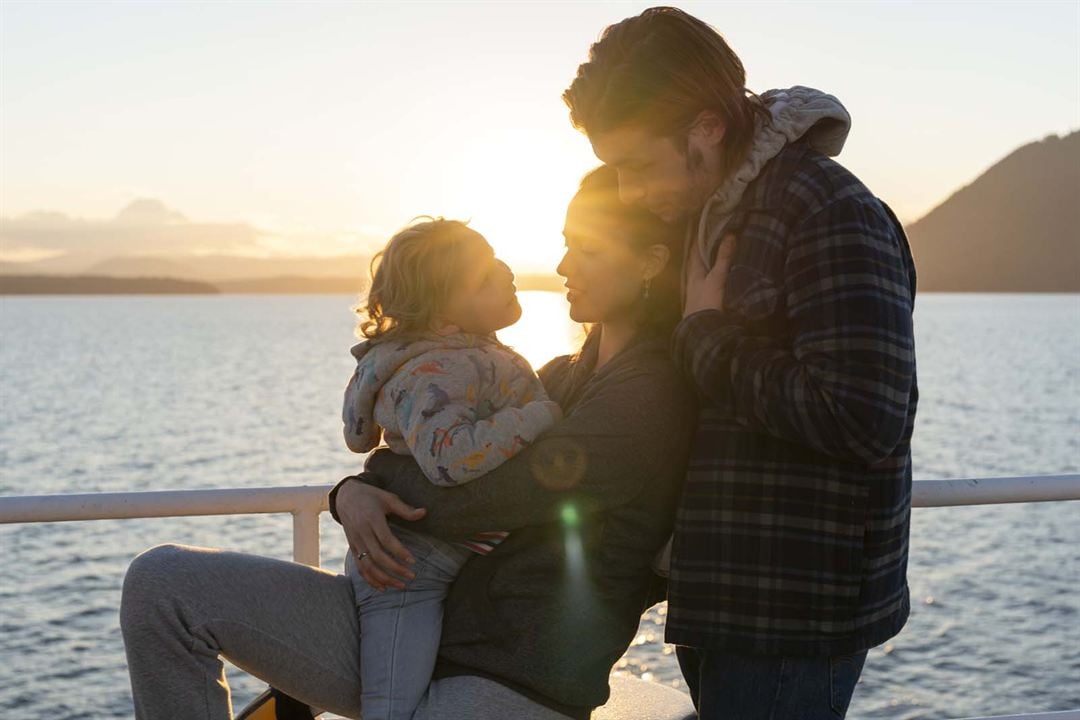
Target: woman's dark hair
{"x":660,"y":310}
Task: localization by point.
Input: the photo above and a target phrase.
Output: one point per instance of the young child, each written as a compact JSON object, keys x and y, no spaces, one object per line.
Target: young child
{"x":432,"y":381}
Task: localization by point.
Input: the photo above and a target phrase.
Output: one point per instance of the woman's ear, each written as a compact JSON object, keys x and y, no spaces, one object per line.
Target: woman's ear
{"x":656,"y":258}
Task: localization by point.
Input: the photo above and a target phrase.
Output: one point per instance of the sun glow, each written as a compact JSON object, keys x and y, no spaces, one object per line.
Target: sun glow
{"x":515,"y":191}
{"x":545,"y":329}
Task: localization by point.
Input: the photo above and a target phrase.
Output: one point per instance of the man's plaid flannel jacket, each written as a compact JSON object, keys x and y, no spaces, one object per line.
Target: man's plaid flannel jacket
{"x":792,"y":531}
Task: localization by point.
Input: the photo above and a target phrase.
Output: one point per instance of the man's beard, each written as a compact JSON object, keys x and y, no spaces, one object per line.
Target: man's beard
{"x":699,"y":178}
{"x":695,"y":160}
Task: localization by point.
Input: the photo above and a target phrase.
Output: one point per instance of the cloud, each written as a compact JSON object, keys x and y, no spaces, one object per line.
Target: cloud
{"x":144,"y":227}
{"x":148,"y":211}
{"x":147,"y":227}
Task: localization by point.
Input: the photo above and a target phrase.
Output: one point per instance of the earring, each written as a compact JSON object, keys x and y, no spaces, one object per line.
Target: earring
{"x":646,"y":288}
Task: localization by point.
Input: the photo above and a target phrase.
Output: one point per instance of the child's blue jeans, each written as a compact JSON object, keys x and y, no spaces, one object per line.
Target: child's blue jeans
{"x":400,"y":629}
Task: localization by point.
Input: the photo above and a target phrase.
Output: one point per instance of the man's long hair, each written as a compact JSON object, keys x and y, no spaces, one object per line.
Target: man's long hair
{"x":659,"y":70}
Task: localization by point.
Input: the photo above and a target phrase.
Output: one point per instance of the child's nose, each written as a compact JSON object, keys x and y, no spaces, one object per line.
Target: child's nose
{"x":564,"y":265}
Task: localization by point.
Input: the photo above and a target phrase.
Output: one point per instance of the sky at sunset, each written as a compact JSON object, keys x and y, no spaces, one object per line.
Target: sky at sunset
{"x":321,"y":128}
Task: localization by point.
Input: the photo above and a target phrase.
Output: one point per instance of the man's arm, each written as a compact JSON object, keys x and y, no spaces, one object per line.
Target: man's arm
{"x":841,"y":384}
{"x":598,"y":457}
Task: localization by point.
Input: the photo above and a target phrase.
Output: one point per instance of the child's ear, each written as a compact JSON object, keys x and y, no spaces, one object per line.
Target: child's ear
{"x":440,"y":325}
{"x":447,"y":330}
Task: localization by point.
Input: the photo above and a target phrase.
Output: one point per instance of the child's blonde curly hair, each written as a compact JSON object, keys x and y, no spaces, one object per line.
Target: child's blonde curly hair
{"x":413,"y":277}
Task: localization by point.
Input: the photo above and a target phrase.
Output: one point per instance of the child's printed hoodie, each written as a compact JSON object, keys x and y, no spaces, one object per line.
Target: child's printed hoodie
{"x":460,"y":404}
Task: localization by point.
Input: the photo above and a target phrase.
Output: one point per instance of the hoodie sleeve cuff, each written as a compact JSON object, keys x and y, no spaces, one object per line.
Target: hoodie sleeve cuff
{"x":368,"y":477}
{"x":331,"y":499}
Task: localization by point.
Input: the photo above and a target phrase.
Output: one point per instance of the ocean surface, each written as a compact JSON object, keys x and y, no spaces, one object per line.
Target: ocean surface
{"x":152,"y":393}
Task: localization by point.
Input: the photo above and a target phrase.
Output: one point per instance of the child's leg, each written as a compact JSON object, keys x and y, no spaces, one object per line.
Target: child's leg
{"x":400,"y":629}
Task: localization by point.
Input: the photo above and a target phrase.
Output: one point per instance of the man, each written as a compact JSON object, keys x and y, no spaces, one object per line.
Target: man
{"x":790,"y":550}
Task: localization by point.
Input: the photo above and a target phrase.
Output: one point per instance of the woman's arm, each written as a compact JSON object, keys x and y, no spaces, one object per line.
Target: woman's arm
{"x":598,"y":457}
{"x":362,"y":511}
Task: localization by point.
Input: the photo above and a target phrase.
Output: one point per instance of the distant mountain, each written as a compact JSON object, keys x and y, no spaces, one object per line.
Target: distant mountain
{"x":287,"y":285}
{"x":214,"y":268}
{"x":98,"y":285}
{"x":354,"y":285}
{"x":60,"y":265}
{"x":1016,"y":228}
{"x":206,"y":268}
{"x":11,"y":284}
{"x":136,"y":266}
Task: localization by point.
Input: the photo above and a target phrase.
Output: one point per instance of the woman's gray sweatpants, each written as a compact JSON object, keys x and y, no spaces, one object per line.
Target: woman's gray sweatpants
{"x":288,"y":624}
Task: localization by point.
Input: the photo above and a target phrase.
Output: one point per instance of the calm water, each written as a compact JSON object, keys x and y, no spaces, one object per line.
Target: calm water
{"x":100,"y":394}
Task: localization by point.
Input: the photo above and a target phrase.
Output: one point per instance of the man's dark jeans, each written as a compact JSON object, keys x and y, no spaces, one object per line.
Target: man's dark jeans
{"x":726,"y":686}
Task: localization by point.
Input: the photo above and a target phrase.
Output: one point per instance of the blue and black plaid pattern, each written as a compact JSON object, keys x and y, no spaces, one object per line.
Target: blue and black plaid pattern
{"x":792,"y":532}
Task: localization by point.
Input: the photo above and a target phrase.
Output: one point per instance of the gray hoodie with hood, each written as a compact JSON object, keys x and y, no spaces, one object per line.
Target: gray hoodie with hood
{"x":814,"y":118}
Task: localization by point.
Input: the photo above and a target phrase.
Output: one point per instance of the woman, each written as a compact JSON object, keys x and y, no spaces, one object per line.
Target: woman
{"x":532,"y":629}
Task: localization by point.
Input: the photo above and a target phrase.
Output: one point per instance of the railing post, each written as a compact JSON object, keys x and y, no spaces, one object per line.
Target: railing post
{"x":305,"y":537}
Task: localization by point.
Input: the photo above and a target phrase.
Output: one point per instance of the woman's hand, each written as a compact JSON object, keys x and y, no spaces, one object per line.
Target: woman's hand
{"x":704,"y":287}
{"x":380,"y":557}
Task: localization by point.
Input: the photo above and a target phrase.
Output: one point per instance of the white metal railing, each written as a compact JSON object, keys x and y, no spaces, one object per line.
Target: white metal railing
{"x":1062,"y":715}
{"x":304,"y":502}
{"x":307,"y":502}
{"x":994,"y":491}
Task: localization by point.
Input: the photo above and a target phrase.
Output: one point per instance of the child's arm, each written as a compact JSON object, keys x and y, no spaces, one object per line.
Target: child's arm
{"x":443,"y":434}
{"x":360,"y":435}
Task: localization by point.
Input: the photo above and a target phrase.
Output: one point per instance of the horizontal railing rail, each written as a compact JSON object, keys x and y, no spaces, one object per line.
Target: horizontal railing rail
{"x":303,"y":502}
{"x":1061,"y":715}
{"x":306,"y":502}
{"x":994,"y":491}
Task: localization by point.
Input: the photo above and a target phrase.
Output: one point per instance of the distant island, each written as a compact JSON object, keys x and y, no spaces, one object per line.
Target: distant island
{"x":100,"y":285}
{"x":290,"y":285}
{"x":1014,"y":228}
{"x":284,"y":285}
